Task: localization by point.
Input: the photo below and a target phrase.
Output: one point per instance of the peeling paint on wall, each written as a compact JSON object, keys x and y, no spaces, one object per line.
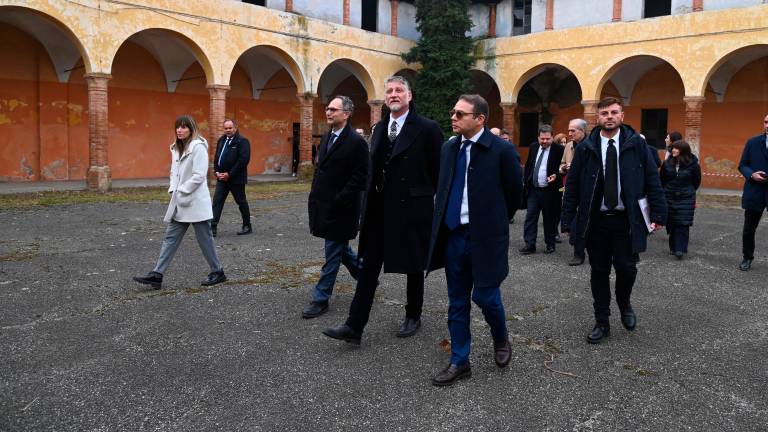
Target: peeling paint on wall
{"x":277,"y":164}
{"x":4,"y":119}
{"x":25,"y":169}
{"x":721,"y":166}
{"x":55,"y":170}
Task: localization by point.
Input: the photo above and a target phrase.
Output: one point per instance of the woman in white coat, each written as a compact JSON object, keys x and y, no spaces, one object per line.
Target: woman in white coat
{"x":190,"y":204}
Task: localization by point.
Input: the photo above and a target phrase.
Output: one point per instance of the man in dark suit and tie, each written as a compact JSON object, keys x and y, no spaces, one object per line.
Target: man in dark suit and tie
{"x":334,"y":201}
{"x":479,"y":189}
{"x":230,"y":164}
{"x":397,"y":210}
{"x":542,"y":190}
{"x":754,"y":167}
{"x":611,"y":171}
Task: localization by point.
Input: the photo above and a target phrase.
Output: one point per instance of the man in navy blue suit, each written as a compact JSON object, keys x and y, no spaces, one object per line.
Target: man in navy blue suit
{"x":479,"y":188}
{"x":753,"y":166}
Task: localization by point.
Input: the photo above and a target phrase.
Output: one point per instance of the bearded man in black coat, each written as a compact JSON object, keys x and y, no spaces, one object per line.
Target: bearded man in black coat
{"x":397,"y":210}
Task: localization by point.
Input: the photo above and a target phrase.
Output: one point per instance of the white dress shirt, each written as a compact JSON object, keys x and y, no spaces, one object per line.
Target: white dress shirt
{"x":541,"y":176}
{"x":464,"y":215}
{"x":603,"y":151}
{"x":400,"y":122}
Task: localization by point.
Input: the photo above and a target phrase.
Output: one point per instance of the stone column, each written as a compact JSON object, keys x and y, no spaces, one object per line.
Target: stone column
{"x":550,"y":13}
{"x":693,"y":115}
{"x":616,"y":10}
{"x":289,"y":5}
{"x":306,"y":104}
{"x":375,"y":110}
{"x":509,"y":119}
{"x":393,"y":7}
{"x":99,"y":176}
{"x":492,"y":21}
{"x":698,"y":5}
{"x":590,"y":113}
{"x":216,"y":116}
{"x":345,"y":13}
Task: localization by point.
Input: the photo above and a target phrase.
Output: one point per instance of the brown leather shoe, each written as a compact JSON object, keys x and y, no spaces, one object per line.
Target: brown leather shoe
{"x":451,"y":374}
{"x":502,"y":353}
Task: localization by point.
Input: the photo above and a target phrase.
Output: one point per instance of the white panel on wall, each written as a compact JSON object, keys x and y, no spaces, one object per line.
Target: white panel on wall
{"x":355,"y":13}
{"x":581,"y":13}
{"x":327,"y":10}
{"x":276,"y":4}
{"x":724,"y":4}
{"x":538,"y":15}
{"x":632,"y":10}
{"x":383,"y":21}
{"x":406,"y":21}
{"x":478,"y":14}
{"x":504,"y":18}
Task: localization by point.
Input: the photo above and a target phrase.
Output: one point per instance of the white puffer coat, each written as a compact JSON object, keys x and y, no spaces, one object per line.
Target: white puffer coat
{"x":190,"y":198}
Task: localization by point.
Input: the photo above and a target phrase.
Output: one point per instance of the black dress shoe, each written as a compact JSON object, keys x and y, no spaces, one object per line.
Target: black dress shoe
{"x":550,"y":249}
{"x":451,"y":374}
{"x":527,"y":250}
{"x":245,"y":230}
{"x":213,"y":230}
{"x":153,"y":279}
{"x":314,"y":309}
{"x":679,"y":255}
{"x":558,"y":239}
{"x":576,"y":261}
{"x":502,"y":353}
{"x":214,"y":278}
{"x":598,"y":333}
{"x":746,"y":264}
{"x":343,"y":332}
{"x":628,"y":318}
{"x":409,"y":327}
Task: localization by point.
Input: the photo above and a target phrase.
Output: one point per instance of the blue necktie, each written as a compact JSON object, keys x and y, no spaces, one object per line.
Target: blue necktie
{"x":453,"y":213}
{"x":223,"y":149}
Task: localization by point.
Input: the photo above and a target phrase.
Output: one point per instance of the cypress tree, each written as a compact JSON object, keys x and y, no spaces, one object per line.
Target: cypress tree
{"x":445,"y":53}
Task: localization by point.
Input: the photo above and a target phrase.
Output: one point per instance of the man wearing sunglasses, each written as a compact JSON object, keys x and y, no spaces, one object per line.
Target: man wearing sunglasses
{"x":334,"y":200}
{"x":479,"y":189}
{"x":397,"y":210}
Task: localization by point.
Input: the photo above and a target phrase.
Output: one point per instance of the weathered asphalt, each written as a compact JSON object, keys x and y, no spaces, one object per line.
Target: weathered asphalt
{"x":84,"y":348}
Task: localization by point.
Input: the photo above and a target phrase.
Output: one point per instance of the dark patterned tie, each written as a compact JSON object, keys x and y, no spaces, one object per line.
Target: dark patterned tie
{"x":331,"y":141}
{"x":393,"y":131}
{"x":611,"y":177}
{"x":537,"y":167}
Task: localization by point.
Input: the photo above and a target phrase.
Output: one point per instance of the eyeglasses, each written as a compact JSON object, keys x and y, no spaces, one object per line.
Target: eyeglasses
{"x":460,"y":114}
{"x":332,"y":109}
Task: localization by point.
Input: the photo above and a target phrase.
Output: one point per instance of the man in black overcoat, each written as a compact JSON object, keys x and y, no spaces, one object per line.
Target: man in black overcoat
{"x":542,"y":190}
{"x":754,"y":167}
{"x":230,"y":165}
{"x":335,"y":199}
{"x":397,"y":209}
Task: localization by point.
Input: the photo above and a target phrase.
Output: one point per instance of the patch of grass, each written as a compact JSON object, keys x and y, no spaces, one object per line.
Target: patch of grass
{"x":286,"y":276}
{"x":23,"y":253}
{"x":717,"y":201}
{"x":254,"y":191}
{"x":639,"y":371}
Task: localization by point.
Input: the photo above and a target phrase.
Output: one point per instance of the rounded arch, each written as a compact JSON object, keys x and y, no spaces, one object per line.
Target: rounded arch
{"x":408,"y":74}
{"x":719,"y":75}
{"x":174,"y":51}
{"x":626,"y":72}
{"x":259,"y":71}
{"x":557,"y":69}
{"x":338,"y":70}
{"x":485,"y":85}
{"x":64,"y":47}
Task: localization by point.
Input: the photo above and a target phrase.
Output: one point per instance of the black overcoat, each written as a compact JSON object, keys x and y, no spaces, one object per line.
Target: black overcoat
{"x":754,"y":158}
{"x":494,"y":188}
{"x":407,"y":200}
{"x":553,"y":167}
{"x":680,"y":188}
{"x":337,"y":186}
{"x":235,"y":160}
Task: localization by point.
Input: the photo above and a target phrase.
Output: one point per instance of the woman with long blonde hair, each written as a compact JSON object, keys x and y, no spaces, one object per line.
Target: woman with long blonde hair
{"x":190,"y":204}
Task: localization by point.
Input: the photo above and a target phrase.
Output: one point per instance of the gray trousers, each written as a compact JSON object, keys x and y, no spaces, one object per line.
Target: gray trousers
{"x":173,"y":236}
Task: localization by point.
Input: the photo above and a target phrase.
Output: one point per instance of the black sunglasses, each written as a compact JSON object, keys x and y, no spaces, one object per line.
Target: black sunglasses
{"x":460,"y":114}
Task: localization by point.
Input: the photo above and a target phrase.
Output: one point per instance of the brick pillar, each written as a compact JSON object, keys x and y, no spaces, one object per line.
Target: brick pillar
{"x":216,"y":116}
{"x":509,"y":119}
{"x":99,"y":176}
{"x":345,"y":14}
{"x":616,"y":10}
{"x":375,"y":110}
{"x":393,"y":7}
{"x":693,"y":108}
{"x":698,"y":5}
{"x":590,"y":113}
{"x":306,"y":104}
{"x":550,"y":13}
{"x":492,"y":21}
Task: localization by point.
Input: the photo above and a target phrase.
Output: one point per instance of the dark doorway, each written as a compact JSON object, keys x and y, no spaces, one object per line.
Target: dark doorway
{"x":256,"y":2}
{"x":653,"y":124}
{"x":654,"y":8}
{"x":370,"y":11}
{"x":295,"y":146}
{"x":529,"y":128}
{"x":521,"y":17}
